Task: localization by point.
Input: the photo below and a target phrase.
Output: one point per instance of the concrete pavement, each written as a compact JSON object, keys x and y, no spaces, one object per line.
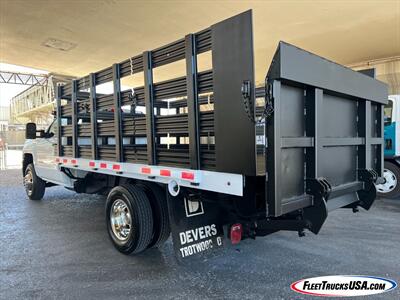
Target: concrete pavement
{"x":59,"y":248}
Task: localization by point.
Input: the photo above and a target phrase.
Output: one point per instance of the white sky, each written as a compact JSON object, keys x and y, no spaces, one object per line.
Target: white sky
{"x":7,"y":91}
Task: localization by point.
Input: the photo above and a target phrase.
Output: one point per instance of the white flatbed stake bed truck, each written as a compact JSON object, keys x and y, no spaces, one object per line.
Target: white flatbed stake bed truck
{"x":196,"y":157}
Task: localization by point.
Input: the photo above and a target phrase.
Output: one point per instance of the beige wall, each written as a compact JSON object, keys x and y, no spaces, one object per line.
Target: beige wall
{"x":102,"y":32}
{"x":387,"y":70}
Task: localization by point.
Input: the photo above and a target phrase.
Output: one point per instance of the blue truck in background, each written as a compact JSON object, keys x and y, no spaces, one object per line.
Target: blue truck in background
{"x":391,"y":173}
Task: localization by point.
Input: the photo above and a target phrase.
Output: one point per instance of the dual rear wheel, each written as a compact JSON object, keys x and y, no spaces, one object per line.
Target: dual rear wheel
{"x":137,"y":217}
{"x":136,"y":214}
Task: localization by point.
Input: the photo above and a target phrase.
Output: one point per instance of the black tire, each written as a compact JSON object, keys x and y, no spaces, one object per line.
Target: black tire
{"x":34,"y":186}
{"x":395,"y":192}
{"x":141,"y":218}
{"x":158,"y":202}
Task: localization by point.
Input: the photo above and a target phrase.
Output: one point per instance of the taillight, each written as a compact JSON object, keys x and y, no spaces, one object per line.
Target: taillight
{"x":236,"y":233}
{"x":165,"y":173}
{"x":146,"y":170}
{"x":187,"y":175}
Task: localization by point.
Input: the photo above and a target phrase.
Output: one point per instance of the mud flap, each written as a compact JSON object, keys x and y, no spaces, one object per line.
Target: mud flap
{"x":196,"y":225}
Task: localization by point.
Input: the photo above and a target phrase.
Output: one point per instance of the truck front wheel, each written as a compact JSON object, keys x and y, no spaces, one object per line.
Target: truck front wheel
{"x":129,"y":219}
{"x":34,"y":186}
{"x":391,"y":188}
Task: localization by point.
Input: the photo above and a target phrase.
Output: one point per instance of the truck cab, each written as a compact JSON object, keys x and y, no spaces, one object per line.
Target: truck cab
{"x":39,"y":151}
{"x":391,"y":173}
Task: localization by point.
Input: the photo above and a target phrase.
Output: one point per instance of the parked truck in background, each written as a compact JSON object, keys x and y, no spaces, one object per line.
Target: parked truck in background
{"x":391,"y":172}
{"x":183,"y":155}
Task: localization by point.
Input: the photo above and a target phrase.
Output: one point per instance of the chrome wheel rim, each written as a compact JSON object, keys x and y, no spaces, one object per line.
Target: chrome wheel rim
{"x":28,"y":182}
{"x":390,"y":182}
{"x":121,"y":220}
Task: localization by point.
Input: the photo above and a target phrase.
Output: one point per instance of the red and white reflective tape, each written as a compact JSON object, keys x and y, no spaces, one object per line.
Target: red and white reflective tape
{"x":187,"y":175}
{"x":208,"y":180}
{"x":165,"y":172}
{"x":66,"y":161}
{"x":145,"y":170}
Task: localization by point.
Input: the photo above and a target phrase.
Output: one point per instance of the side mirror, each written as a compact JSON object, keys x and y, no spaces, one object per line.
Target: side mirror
{"x":30,"y":132}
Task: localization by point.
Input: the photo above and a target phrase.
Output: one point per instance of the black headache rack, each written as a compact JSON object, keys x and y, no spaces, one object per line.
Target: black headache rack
{"x":315,"y":144}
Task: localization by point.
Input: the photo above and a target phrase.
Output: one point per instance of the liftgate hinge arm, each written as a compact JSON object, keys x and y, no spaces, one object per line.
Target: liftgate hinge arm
{"x":316,"y":214}
{"x":368,"y":194}
{"x":311,"y":218}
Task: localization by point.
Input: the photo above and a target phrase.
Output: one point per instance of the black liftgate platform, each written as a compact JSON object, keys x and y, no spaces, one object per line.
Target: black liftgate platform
{"x":325,"y":137}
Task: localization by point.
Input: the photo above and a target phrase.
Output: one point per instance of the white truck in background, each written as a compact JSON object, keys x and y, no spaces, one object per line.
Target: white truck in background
{"x":391,"y":172}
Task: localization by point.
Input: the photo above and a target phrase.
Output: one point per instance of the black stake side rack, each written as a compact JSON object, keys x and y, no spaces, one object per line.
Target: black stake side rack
{"x":200,"y":127}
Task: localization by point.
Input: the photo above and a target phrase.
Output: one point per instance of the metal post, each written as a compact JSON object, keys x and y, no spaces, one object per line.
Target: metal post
{"x":364,"y":127}
{"x":59,"y":117}
{"x":149,"y":100}
{"x":229,"y":70}
{"x":117,"y":113}
{"x":93,"y":115}
{"x":273,"y":155}
{"x":368,"y":125}
{"x":192,"y":101}
{"x":381,"y":147}
{"x":74,"y":104}
{"x":314,"y":108}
